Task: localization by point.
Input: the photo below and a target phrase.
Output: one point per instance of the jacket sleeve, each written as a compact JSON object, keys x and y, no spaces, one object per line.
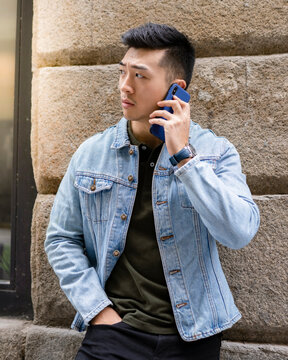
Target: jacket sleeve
{"x":65,"y":248}
{"x":222,"y":198}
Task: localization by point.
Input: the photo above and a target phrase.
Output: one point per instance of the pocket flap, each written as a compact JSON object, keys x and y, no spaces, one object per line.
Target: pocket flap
{"x":91,"y":185}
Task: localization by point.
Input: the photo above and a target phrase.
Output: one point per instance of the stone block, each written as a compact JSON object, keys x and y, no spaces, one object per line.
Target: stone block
{"x":258,"y":278}
{"x":50,"y":304}
{"x":12,"y":338}
{"x":245,"y":100}
{"x":45,"y":343}
{"x":88,"y":32}
{"x":242,"y":98}
{"x":246,"y":351}
{"x":69,"y":105}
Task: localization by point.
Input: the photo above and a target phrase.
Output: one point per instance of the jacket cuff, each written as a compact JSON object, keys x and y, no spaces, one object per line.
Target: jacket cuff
{"x":96,"y":311}
{"x":184,"y":168}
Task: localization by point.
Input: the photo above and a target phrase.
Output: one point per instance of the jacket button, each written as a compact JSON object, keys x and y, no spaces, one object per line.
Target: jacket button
{"x":116,"y":253}
{"x":130,"y":178}
{"x":93,"y":186}
{"x":123,"y":216}
{"x":131,"y":151}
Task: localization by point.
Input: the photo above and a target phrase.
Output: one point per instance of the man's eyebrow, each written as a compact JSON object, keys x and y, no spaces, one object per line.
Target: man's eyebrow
{"x":138,"y":67}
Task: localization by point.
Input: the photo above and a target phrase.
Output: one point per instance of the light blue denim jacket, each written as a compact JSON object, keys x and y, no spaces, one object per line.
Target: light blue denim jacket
{"x":205,"y":201}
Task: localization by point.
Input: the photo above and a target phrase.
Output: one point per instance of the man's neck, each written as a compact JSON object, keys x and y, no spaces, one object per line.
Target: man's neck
{"x":141,"y":131}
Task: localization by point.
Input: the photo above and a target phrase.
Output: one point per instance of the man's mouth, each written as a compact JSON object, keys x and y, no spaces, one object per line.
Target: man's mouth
{"x":127,"y":103}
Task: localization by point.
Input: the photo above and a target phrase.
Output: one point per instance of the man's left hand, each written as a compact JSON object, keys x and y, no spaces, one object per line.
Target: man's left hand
{"x":176,"y":126}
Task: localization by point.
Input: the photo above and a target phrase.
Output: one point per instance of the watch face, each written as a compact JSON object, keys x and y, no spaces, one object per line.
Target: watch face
{"x":186,"y":152}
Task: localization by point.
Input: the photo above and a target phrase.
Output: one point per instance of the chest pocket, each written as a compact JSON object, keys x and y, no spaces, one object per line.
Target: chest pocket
{"x":183,"y":196}
{"x":95,"y":196}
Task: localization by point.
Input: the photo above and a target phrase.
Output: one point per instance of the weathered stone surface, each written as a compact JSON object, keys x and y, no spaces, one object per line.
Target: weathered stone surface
{"x":258,"y":277}
{"x":12,"y":338}
{"x":244,"y":351}
{"x":245,"y":99}
{"x":69,"y":105}
{"x":242,"y":98}
{"x":50,"y":305}
{"x":44,"y":343}
{"x":88,"y":32}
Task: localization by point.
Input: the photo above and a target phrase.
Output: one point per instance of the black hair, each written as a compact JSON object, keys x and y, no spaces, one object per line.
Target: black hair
{"x":180,"y":53}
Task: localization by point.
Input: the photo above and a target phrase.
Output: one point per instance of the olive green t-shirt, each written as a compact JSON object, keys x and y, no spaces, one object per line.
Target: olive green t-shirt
{"x":137,"y":286}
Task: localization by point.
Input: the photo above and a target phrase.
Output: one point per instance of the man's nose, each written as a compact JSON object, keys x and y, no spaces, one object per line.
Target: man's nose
{"x":126,"y":85}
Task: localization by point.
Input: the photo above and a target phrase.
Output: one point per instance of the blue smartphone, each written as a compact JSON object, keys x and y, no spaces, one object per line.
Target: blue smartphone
{"x":174,"y":89}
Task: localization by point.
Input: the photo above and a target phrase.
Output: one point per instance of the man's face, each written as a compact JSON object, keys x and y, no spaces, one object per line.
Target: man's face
{"x":142,"y":83}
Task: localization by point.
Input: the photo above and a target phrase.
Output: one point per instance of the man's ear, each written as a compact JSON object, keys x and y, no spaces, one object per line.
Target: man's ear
{"x":180,"y":82}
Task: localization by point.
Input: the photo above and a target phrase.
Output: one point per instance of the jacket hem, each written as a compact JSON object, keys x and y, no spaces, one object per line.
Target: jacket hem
{"x":202,"y":335}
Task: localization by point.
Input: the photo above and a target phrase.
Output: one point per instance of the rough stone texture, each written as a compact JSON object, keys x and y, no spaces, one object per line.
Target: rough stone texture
{"x":242,"y":98}
{"x":12,"y":338}
{"x":240,"y":351}
{"x":245,"y":99}
{"x":259,"y":286}
{"x":50,"y":305}
{"x":44,"y":343}
{"x":88,"y":32}
{"x":69,"y":105}
{"x":258,"y":278}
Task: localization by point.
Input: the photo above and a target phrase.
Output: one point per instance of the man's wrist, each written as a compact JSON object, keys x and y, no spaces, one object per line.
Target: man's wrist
{"x":107,"y":316}
{"x":183,"y":162}
{"x":187,"y":153}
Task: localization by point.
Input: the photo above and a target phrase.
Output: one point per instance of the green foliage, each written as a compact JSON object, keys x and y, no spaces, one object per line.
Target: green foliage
{"x":5,"y":262}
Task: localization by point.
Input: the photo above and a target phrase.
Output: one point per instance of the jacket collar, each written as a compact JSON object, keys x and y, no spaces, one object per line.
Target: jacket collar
{"x":121,"y":137}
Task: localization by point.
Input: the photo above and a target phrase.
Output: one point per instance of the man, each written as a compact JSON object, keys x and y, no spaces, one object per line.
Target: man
{"x":133,"y":230}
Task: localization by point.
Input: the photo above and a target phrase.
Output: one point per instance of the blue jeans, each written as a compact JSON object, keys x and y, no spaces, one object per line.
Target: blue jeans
{"x":122,"y":342}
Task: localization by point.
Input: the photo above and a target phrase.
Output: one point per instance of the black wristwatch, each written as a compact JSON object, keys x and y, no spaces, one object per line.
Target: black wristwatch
{"x":187,"y":152}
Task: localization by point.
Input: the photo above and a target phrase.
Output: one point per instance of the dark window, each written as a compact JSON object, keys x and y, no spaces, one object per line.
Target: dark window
{"x":7,"y":75}
{"x":17,"y":188}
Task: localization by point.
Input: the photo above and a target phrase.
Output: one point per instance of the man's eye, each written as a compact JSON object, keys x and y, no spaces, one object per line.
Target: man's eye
{"x":122,"y":72}
{"x":139,"y":76}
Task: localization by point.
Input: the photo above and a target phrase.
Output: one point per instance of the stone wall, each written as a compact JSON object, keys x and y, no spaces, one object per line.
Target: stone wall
{"x":239,"y":90}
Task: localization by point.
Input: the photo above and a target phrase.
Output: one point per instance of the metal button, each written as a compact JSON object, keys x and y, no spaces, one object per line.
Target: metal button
{"x":172,"y":272}
{"x":130,"y":178}
{"x":93,"y":186}
{"x":131,"y":151}
{"x":160,"y":202}
{"x":116,"y":253}
{"x":123,"y":216}
{"x":143,"y":147}
{"x":163,"y":238}
{"x":181,"y":305}
{"x":152,"y":164}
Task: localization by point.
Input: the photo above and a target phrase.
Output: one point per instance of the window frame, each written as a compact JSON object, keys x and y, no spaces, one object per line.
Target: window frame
{"x":15,"y":298}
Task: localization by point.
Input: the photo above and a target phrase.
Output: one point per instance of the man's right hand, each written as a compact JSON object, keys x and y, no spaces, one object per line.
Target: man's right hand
{"x":107,"y":316}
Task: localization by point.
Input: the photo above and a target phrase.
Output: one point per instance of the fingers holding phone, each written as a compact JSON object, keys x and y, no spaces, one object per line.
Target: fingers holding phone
{"x":172,"y":121}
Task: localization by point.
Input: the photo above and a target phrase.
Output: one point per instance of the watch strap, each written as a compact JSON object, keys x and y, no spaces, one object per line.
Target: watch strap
{"x":185,"y":153}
